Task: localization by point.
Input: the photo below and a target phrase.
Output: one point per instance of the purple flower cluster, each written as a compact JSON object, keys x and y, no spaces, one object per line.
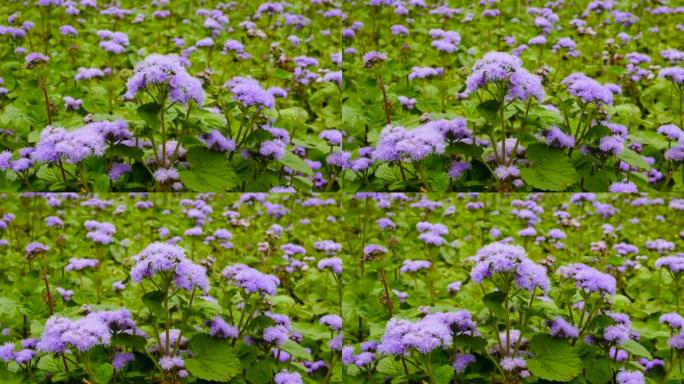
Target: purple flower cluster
{"x":98,"y":232}
{"x":512,"y":261}
{"x":505,"y":71}
{"x":435,"y":330}
{"x":587,"y":89}
{"x":169,"y":72}
{"x":251,"y":280}
{"x":589,"y":279}
{"x":81,"y":264}
{"x":162,"y":258}
{"x":97,"y":328}
{"x":249,"y":92}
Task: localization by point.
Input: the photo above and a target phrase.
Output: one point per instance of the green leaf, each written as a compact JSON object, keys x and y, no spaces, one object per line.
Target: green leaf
{"x":103,"y":374}
{"x":475,"y":343}
{"x":153,"y":302}
{"x":213,"y":359}
{"x":124,"y":151}
{"x":149,"y":113}
{"x":636,"y":349}
{"x":133,"y":341}
{"x":49,"y":363}
{"x":7,"y":377}
{"x":296,"y":163}
{"x":494,"y":301}
{"x":440,"y":182}
{"x":296,"y":350}
{"x":489,"y":110}
{"x":209,"y":172}
{"x":632,"y":158}
{"x":650,"y":138}
{"x":298,"y":114}
{"x":209,"y":120}
{"x":391,"y":367}
{"x":554,"y":359}
{"x":444,"y":374}
{"x":260,"y":372}
{"x":465,"y":149}
{"x":7,"y":305}
{"x":550,"y":169}
{"x":598,"y":371}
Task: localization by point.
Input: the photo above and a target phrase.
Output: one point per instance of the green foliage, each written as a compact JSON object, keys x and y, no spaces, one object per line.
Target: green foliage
{"x":213,"y":359}
{"x":550,"y":169}
{"x":209,"y":171}
{"x":553,"y":359}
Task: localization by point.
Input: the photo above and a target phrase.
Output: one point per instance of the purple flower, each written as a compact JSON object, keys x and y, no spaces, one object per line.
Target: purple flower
{"x":276,"y":335}
{"x":216,"y":141}
{"x":165,"y":70}
{"x":561,"y":328}
{"x":414,"y":266}
{"x":671,"y":131}
{"x":499,"y":258}
{"x":612,"y":144}
{"x":462,"y":361}
{"x":287,"y":377}
{"x":502,"y":68}
{"x":34,"y":58}
{"x":673,"y":320}
{"x":166,"y":258}
{"x":332,"y":321}
{"x":555,"y":137}
{"x":74,"y":146}
{"x":588,"y":278}
{"x":190,"y":276}
{"x":332,"y":136}
{"x":7,"y":352}
{"x":220,"y":328}
{"x":251,"y":280}
{"x":425,"y":72}
{"x":407,"y":102}
{"x":373,"y":57}
{"x":35,"y":248}
{"x":587,"y":89}
{"x":454,"y":287}
{"x":88,"y":73}
{"x":273,"y":149}
{"x":80,"y":264}
{"x":334,"y":264}
{"x":674,"y":264}
{"x":630,"y":377}
{"x":674,"y":74}
{"x":72,"y":104}
{"x":676,"y":341}
{"x":249,"y":92}
{"x":328,"y":247}
{"x":121,"y":359}
{"x":457,"y":168}
{"x":61,"y":334}
{"x":68,"y":30}
{"x":118,"y":170}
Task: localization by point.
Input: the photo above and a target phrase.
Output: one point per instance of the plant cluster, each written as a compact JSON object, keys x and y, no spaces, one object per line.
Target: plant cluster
{"x":169,"y":289}
{"x":514,"y":95}
{"x":468,"y":288}
{"x":162,"y":96}
{"x":364,"y":288}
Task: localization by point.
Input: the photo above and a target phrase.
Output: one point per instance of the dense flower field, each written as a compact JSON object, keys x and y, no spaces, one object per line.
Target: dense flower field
{"x":515,"y":95}
{"x":250,"y":288}
{"x":160,"y":95}
{"x":578,"y":288}
{"x":353,"y":95}
{"x":169,"y":288}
